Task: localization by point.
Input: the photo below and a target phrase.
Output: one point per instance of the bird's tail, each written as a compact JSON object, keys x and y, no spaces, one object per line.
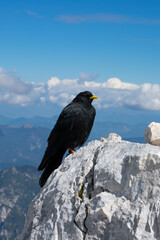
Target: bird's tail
{"x":46,"y":173}
{"x":47,"y":156}
{"x":53,"y":163}
{"x":51,"y":152}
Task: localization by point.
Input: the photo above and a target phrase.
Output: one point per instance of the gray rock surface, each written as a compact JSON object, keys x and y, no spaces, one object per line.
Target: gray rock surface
{"x":109,"y":190}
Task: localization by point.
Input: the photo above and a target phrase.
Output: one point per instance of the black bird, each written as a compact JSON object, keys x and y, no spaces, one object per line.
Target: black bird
{"x":70,"y":131}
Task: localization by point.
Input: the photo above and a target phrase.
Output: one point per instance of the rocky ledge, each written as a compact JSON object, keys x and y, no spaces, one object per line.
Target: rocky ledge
{"x":107,"y":190}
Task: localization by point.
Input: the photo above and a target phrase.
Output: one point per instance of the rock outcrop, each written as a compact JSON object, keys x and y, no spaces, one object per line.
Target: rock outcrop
{"x":107,"y":190}
{"x":152,"y":134}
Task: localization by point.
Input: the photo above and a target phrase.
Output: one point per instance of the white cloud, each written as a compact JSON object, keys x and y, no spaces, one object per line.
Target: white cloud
{"x":11,"y":83}
{"x":11,"y":98}
{"x":13,"y":90}
{"x":147,"y":97}
{"x":117,"y":83}
{"x":112,"y":92}
{"x":52,"y":82}
{"x":92,"y":84}
{"x":62,"y":99}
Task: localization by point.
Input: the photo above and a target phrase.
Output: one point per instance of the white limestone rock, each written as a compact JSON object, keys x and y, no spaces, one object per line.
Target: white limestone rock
{"x":107,"y":190}
{"x":152,"y":134}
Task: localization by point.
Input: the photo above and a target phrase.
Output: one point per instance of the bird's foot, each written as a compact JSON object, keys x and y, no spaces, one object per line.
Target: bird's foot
{"x":71,"y":150}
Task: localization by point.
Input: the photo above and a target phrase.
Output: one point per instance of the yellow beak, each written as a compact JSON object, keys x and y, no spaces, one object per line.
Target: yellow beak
{"x":93,"y":97}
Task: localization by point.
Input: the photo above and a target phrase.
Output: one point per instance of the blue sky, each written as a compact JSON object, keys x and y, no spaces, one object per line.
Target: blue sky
{"x":92,"y":41}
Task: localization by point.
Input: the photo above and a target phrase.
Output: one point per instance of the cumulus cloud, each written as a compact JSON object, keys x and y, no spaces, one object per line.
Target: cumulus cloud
{"x":112,"y":92}
{"x":147,"y":97}
{"x":118,"y":84}
{"x":54,"y":81}
{"x":12,"y":83}
{"x":62,"y":99}
{"x":14,"y":91}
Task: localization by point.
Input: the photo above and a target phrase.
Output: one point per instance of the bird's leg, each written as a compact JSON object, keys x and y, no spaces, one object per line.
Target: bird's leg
{"x":71,"y":150}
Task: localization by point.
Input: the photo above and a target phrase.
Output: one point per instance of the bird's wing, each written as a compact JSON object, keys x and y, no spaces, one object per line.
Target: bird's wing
{"x":73,"y":125}
{"x":59,"y":135}
{"x":69,"y":127}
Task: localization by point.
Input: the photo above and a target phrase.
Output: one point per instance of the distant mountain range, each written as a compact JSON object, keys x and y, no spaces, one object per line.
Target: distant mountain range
{"x":35,"y":121}
{"x":23,"y":145}
{"x":112,"y":115}
{"x":18,"y":186}
{"x":103,"y":124}
{"x":126,"y":131}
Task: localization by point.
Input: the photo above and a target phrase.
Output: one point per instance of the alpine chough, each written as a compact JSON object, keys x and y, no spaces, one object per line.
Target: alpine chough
{"x":70,"y":131}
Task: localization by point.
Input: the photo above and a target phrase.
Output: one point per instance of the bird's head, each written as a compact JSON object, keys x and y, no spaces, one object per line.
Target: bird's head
{"x":86,"y":97}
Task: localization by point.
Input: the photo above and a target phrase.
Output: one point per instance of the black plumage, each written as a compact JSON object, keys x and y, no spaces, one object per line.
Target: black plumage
{"x":70,"y":131}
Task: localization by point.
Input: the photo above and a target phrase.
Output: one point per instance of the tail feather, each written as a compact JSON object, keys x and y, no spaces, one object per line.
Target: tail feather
{"x":43,"y":163}
{"x":52,"y":164}
{"x":50,"y":153}
{"x":45,"y":175}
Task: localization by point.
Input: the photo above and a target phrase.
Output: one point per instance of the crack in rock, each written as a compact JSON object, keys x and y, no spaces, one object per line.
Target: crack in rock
{"x":86,"y":193}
